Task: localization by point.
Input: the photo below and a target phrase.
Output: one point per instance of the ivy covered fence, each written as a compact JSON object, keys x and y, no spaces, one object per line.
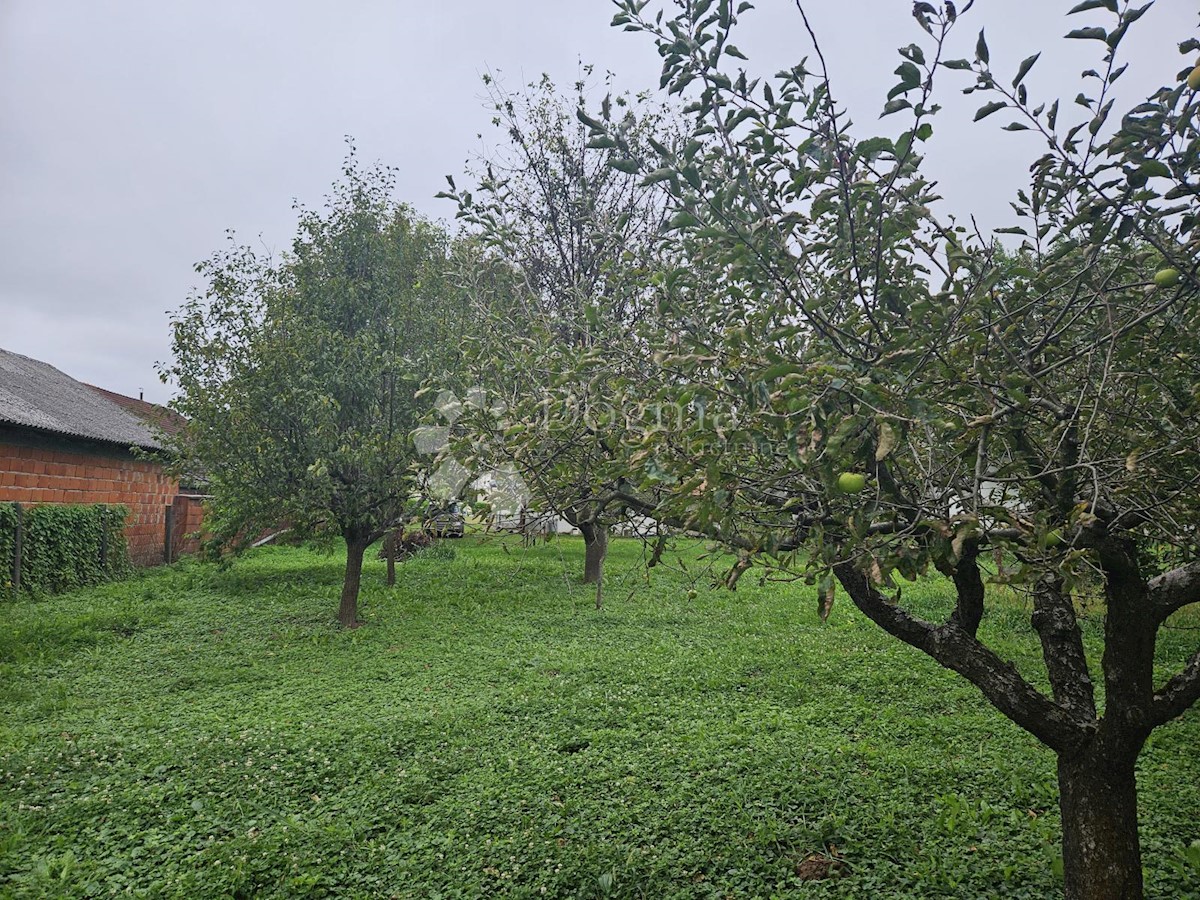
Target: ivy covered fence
{"x":54,"y":548}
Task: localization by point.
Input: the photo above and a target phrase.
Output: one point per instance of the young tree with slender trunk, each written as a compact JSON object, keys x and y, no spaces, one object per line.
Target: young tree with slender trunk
{"x":572,"y":224}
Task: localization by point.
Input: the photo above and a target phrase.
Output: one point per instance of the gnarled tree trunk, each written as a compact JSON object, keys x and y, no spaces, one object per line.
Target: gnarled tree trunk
{"x":356,"y":547}
{"x":1096,"y":757}
{"x":1101,"y":854}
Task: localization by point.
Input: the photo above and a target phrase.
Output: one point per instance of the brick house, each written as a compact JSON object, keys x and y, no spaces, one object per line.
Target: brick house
{"x":62,"y":441}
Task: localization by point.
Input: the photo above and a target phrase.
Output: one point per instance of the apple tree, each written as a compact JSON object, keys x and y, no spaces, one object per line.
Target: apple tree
{"x":865,"y":390}
{"x":576,"y":227}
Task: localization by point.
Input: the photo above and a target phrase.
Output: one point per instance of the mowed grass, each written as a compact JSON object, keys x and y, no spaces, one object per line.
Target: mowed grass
{"x":206,"y":733}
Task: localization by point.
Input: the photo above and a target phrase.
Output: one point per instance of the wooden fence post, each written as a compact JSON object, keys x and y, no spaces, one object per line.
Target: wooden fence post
{"x":18,"y":542}
{"x":105,"y":515}
{"x":168,"y":532}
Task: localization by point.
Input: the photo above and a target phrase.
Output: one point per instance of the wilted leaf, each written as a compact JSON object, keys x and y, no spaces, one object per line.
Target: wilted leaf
{"x":887,"y":441}
{"x":825,"y":595}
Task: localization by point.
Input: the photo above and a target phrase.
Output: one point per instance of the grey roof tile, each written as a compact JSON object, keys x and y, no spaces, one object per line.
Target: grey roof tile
{"x":37,"y":395}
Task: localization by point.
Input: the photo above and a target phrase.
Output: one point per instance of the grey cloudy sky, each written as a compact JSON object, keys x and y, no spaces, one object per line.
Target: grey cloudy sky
{"x":133,"y":133}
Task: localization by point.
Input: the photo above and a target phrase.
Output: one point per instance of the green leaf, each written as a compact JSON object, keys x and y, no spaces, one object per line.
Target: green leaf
{"x":1093,"y":4}
{"x":872,"y":147}
{"x":1023,"y":69}
{"x":910,"y":75}
{"x":1155,"y":168}
{"x":683,"y":219}
{"x":988,"y":108}
{"x":981,"y":49}
{"x":629,"y":166}
{"x":588,"y":120}
{"x":1093,"y":33}
{"x":658,"y":175}
{"x":771,"y":373}
{"x":956,"y":64}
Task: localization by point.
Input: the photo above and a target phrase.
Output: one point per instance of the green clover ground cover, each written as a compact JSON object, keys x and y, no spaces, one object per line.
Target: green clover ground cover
{"x":203,"y":733}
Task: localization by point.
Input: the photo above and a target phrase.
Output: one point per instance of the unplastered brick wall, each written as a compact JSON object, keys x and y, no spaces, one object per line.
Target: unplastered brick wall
{"x":48,"y":473}
{"x":189,"y":519}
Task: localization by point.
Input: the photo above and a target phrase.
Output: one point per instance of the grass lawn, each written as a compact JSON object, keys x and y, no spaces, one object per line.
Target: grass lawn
{"x":203,"y":733}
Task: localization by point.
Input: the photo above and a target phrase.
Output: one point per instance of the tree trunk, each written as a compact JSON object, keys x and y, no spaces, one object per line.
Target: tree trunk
{"x":1102,"y":858}
{"x":595,"y":544}
{"x":348,"y":611}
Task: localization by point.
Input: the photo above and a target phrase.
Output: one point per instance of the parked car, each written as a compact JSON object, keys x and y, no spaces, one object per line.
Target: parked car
{"x":447,"y":523}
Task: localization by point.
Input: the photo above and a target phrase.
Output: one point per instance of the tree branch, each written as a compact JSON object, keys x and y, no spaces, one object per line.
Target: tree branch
{"x":1174,"y":590}
{"x":954,"y":648}
{"x":968,"y":586}
{"x":1178,"y":695}
{"x":1062,"y":647}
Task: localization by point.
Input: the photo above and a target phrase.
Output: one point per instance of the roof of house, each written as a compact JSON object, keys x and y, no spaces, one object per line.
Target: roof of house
{"x":37,"y":395}
{"x":161,"y":418}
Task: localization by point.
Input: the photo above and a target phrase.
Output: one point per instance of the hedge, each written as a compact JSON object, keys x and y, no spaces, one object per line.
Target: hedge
{"x":63,"y":547}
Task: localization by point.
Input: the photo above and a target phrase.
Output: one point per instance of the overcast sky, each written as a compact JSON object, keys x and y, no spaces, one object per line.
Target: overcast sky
{"x":133,"y":133}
